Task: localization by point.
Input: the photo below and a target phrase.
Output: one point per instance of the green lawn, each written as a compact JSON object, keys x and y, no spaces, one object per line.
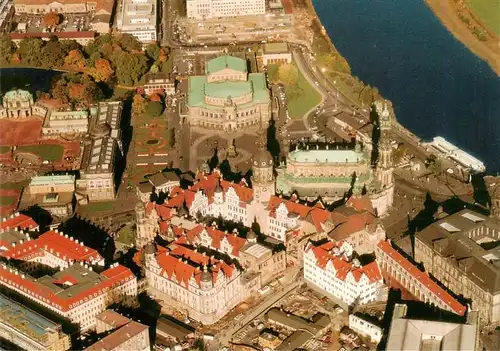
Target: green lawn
{"x":488,"y":11}
{"x":4,"y":149}
{"x":48,"y":152}
{"x":7,"y":200}
{"x":100,"y":206}
{"x":126,"y":235}
{"x":307,"y":99}
{"x":14,"y":186}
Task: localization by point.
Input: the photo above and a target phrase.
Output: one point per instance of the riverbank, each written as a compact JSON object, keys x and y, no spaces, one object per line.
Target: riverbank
{"x":447,"y":13}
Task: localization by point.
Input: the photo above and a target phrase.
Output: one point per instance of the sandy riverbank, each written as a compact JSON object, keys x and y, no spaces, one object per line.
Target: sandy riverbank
{"x":489,"y":50}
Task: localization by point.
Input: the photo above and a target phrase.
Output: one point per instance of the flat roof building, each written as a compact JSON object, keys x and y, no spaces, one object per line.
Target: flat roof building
{"x":139,"y":18}
{"x":462,"y":251}
{"x":416,"y":334}
{"x":76,"y":293}
{"x":203,"y":9}
{"x":29,"y":330}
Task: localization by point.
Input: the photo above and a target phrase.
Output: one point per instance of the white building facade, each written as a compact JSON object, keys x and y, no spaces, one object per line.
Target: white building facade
{"x":139,"y":18}
{"x":330,"y":268}
{"x":203,"y":9}
{"x":76,"y":293}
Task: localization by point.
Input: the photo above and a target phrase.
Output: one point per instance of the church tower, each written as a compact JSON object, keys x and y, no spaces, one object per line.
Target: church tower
{"x":495,"y":201}
{"x":383,"y":197}
{"x":262,"y":171}
{"x":385,"y":168}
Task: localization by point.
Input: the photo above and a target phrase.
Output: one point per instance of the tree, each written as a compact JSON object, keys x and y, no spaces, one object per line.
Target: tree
{"x":52,"y":54}
{"x":68,"y":45}
{"x":154,"y":109}
{"x":102,"y":71}
{"x":85,"y":92}
{"x":7,"y":48}
{"x":75,"y":58}
{"x":288,"y":74}
{"x":130,"y":68}
{"x":155,"y":97}
{"x":153,"y":51}
{"x":129,"y":42}
{"x":30,"y":50}
{"x":162,"y":57}
{"x":139,"y":104}
{"x":51,"y":19}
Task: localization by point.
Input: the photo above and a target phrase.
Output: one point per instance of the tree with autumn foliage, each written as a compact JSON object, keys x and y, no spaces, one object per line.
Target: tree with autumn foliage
{"x":102,"y":72}
{"x":139,"y":104}
{"x":76,"y":88}
{"x":75,"y":58}
{"x":155,"y":97}
{"x":51,"y":19}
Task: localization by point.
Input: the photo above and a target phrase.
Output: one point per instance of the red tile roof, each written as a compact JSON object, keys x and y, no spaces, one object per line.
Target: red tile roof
{"x":422,"y":277}
{"x":352,"y":224}
{"x":110,"y":278}
{"x":56,"y":244}
{"x":18,"y":221}
{"x":362,"y":203}
{"x":181,"y":264}
{"x":60,"y":35}
{"x":342,"y":267}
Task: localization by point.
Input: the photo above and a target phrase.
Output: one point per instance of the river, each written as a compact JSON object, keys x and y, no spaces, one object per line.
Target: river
{"x":437,"y":86}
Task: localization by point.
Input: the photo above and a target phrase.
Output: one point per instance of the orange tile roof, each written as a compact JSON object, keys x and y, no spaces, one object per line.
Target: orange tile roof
{"x":110,"y":278}
{"x":352,"y":224}
{"x":56,"y":244}
{"x":362,"y":203}
{"x":341,"y":266}
{"x":177,"y":264}
{"x":422,"y":277}
{"x":18,"y":221}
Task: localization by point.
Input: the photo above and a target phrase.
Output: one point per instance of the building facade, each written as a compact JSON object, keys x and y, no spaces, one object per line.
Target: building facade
{"x":76,"y":293}
{"x":19,"y":104}
{"x":52,"y":193}
{"x":159,"y":82}
{"x":399,"y":270}
{"x":204,"y":287}
{"x":364,"y":327}
{"x":53,"y":248}
{"x":460,"y":251}
{"x":227,"y":97}
{"x":330,"y":268}
{"x":29,"y":330}
{"x":139,"y":18}
{"x":328,"y":172}
{"x":60,"y":6}
{"x":419,"y":334}
{"x":204,"y":9}
{"x":66,"y":122}
{"x":276,"y":53}
{"x":102,"y":151}
{"x":131,"y":336}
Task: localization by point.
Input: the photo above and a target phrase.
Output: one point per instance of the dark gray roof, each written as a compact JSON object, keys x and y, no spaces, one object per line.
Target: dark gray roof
{"x":294,"y":341}
{"x":458,"y":237}
{"x":173,"y":328}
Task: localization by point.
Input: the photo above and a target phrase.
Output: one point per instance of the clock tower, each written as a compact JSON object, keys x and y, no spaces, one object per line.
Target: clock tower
{"x":262,"y":171}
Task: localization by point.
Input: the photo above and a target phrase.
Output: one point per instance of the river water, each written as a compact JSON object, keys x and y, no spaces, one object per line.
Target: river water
{"x":437,"y":86}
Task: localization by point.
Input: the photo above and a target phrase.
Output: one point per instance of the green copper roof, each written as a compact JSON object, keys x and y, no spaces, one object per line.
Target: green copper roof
{"x":223,"y":62}
{"x":18,"y":94}
{"x":326,"y":156}
{"x":57,"y":179}
{"x":198,"y":87}
{"x":228,"y":88}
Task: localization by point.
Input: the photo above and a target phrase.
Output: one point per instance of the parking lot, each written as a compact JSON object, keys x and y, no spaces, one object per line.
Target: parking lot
{"x":69,"y":23}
